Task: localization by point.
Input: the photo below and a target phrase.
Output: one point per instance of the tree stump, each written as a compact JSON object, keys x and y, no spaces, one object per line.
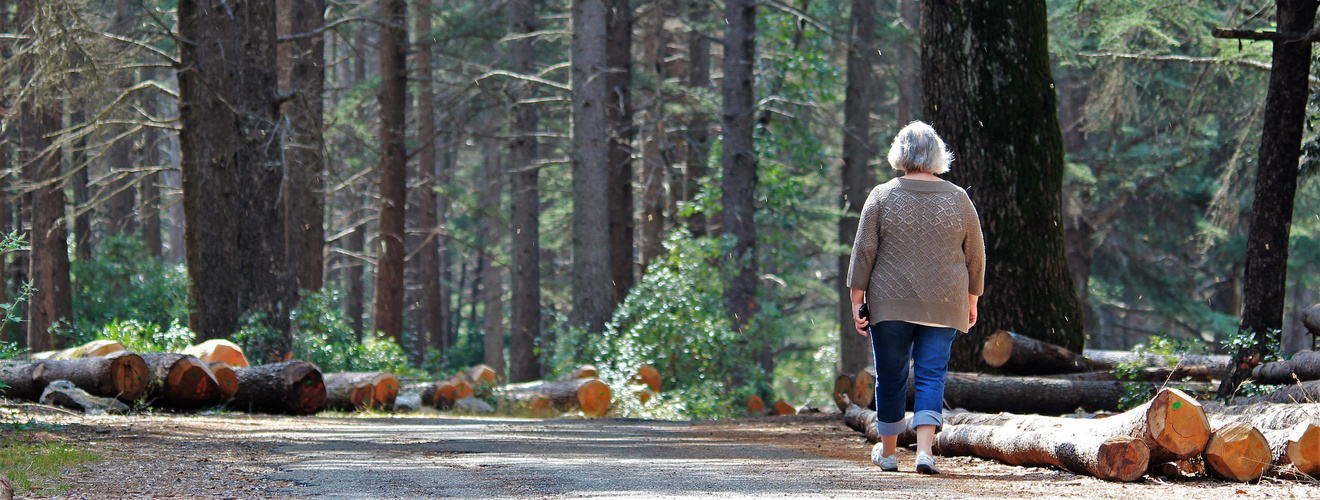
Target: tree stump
{"x":179,"y":381}
{"x":293,"y":387}
{"x":121,"y":375}
{"x":481,"y":374}
{"x":1022,"y":355}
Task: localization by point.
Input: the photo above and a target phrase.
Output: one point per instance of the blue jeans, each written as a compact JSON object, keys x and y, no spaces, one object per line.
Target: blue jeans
{"x":894,"y":343}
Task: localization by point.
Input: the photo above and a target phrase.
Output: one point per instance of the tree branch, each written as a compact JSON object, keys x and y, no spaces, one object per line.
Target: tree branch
{"x":318,"y":31}
{"x":1245,"y":63}
{"x":1272,"y":36}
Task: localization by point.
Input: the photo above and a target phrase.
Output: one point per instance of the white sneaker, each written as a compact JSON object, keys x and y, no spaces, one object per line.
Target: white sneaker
{"x":926,"y":464}
{"x":887,"y":464}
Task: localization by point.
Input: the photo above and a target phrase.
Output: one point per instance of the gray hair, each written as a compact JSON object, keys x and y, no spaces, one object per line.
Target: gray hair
{"x":917,"y":148}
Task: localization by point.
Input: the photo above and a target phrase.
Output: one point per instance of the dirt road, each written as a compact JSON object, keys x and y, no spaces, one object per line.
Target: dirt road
{"x":810,"y":456}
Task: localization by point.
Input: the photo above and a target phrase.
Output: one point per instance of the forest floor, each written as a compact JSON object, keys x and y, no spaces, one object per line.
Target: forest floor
{"x":243,"y":456}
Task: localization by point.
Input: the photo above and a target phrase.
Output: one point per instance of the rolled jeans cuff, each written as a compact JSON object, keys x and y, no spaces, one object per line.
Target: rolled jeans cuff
{"x":891,"y":428}
{"x":927,"y":417}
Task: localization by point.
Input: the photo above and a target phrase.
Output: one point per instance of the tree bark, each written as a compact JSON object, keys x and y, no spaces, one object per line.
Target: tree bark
{"x":1023,"y":355}
{"x":384,"y":388}
{"x":593,"y":273}
{"x":293,"y":387}
{"x":431,"y":326}
{"x":355,"y":295}
{"x":997,"y":115}
{"x":1156,"y":360}
{"x":909,"y":65}
{"x":525,"y":204}
{"x":149,"y":186}
{"x":1301,"y":392}
{"x":620,"y":130}
{"x":655,"y":165}
{"x":856,"y":181}
{"x":1292,"y":430}
{"x":232,"y":170}
{"x":304,"y":200}
{"x":1072,"y":448}
{"x":1301,"y":367}
{"x":739,"y":180}
{"x":698,"y":133}
{"x":1157,"y":374}
{"x":1035,"y":395}
{"x":1276,"y":185}
{"x":393,"y":171}
{"x":120,"y":375}
{"x":589,"y":395}
{"x":345,"y":394}
{"x":492,"y":274}
{"x":179,"y":381}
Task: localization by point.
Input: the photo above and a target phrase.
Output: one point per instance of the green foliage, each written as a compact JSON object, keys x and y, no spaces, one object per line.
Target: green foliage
{"x":123,"y":282}
{"x":138,"y":336}
{"x":30,"y":465}
{"x":1169,"y":348}
{"x":1246,"y":340}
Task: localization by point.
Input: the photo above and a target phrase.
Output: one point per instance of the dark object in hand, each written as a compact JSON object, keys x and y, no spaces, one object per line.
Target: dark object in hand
{"x":864,"y":312}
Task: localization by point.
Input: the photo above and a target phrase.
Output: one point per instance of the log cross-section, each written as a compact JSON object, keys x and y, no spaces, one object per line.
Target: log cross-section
{"x":180,"y":381}
{"x":1023,"y":355}
{"x":1237,"y":451}
{"x":293,"y":387}
{"x":224,"y":378}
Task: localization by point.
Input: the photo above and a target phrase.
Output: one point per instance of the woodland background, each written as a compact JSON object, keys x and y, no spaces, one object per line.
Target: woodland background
{"x":465,"y":110}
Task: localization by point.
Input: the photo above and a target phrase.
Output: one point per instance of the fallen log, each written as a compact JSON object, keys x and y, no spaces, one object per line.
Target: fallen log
{"x":348,"y":391}
{"x":293,"y":387}
{"x":843,"y":385}
{"x":1296,"y":450}
{"x":585,"y":371}
{"x":647,"y":374}
{"x":64,"y":393}
{"x":429,"y":392}
{"x":1301,"y":367}
{"x":1113,"y":358}
{"x":481,"y":374}
{"x":1311,"y":319}
{"x":225,"y":378}
{"x":121,"y":375}
{"x":863,"y":420}
{"x":219,"y":350}
{"x":1157,"y":374}
{"x":384,"y":385}
{"x":1292,"y":430}
{"x":1112,"y":458}
{"x":179,"y":381}
{"x":1265,"y":415}
{"x":1023,"y":355}
{"x":461,"y":387}
{"x":589,"y":395}
{"x":1237,"y":451}
{"x":91,"y":349}
{"x":755,"y":406}
{"x":988,"y":393}
{"x":1302,"y":392}
{"x":863,"y":390}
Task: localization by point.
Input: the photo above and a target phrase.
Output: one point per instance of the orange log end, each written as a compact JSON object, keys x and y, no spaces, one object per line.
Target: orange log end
{"x":783,"y":408}
{"x":225,"y":378}
{"x":386,"y":388}
{"x":647,"y":374}
{"x":462,"y":389}
{"x":189,"y":381}
{"x":594,"y":398}
{"x":755,"y":406}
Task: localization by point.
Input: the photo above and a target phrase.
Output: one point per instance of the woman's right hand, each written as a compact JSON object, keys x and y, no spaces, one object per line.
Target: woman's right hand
{"x":861,"y":322}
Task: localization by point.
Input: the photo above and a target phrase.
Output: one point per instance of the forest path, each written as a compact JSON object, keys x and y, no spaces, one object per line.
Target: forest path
{"x":807,"y":456}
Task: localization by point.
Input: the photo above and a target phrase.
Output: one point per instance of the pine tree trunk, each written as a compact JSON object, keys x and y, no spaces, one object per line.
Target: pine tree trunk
{"x":654,"y":165}
{"x":293,"y":387}
{"x":431,"y":327}
{"x":592,"y":179}
{"x":739,"y":180}
{"x":619,"y":127}
{"x":150,"y":187}
{"x":120,"y":375}
{"x":1302,"y":366}
{"x":857,"y":179}
{"x":52,"y":296}
{"x":304,"y":201}
{"x":393,"y":171}
{"x":525,"y":204}
{"x":909,"y":65}
{"x":1266,"y":272}
{"x":232,"y":170}
{"x":355,"y":295}
{"x":998,"y":117}
{"x":698,"y":133}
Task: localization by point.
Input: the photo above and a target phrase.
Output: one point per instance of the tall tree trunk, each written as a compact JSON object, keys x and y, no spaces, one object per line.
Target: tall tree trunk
{"x":909,"y":65}
{"x":232,"y":169}
{"x":592,"y":179}
{"x":654,"y":167}
{"x":431,"y":325}
{"x":355,"y":299}
{"x":1276,"y":185}
{"x":854,"y":349}
{"x":304,"y":200}
{"x":698,"y":133}
{"x":40,"y":116}
{"x":619,"y":116}
{"x":739,"y":180}
{"x":492,"y":274}
{"x":150,"y":187}
{"x":120,"y":196}
{"x":448,"y":313}
{"x":998,"y":116}
{"x":525,"y":201}
{"x":393,"y":170}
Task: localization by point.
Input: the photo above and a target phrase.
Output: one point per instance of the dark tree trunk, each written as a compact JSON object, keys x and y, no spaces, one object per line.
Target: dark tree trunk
{"x":52,"y":296}
{"x":492,"y":278}
{"x":739,"y":180}
{"x":592,"y":172}
{"x":655,"y":166}
{"x":617,"y":38}
{"x":698,"y":127}
{"x":998,"y":116}
{"x":393,"y":170}
{"x":854,"y":349}
{"x":150,"y":188}
{"x":1266,"y":274}
{"x":120,"y":194}
{"x":525,"y":200}
{"x":82,"y":220}
{"x":355,"y":300}
{"x":232,"y":170}
{"x":304,"y":200}
{"x":909,"y":65}
{"x":431,"y":325}
{"x":448,"y":313}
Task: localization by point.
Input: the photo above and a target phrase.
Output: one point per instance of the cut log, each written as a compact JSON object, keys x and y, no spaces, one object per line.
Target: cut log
{"x":1156,"y":374}
{"x":179,"y":381}
{"x":91,"y":349}
{"x":384,"y":387}
{"x":1113,"y":358}
{"x":1112,"y":458}
{"x":1298,"y":447}
{"x":1301,"y":367}
{"x":1265,"y":415}
{"x":647,"y":374}
{"x":293,"y":387}
{"x":461,"y":387}
{"x":589,"y":395}
{"x":64,"y":393}
{"x":387,"y":388}
{"x":755,"y":406}
{"x":225,"y":378}
{"x":348,"y":391}
{"x":438,"y":395}
{"x":1237,"y":451}
{"x":1046,"y":396}
{"x":843,"y":385}
{"x":1311,"y":319}
{"x":783,"y":408}
{"x":1302,"y":392}
{"x":585,"y":371}
{"x":1292,"y":430}
{"x":121,"y":375}
{"x":863,"y":390}
{"x":1022,"y":355}
{"x":481,"y":374}
{"x":863,"y":420}
{"x":219,"y":350}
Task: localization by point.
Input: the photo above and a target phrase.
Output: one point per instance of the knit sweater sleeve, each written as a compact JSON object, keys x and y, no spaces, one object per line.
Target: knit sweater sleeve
{"x":973,"y":248}
{"x":866,"y":243}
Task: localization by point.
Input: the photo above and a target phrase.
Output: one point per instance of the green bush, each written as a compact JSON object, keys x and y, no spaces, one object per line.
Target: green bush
{"x":139,"y":336}
{"x":123,"y":282}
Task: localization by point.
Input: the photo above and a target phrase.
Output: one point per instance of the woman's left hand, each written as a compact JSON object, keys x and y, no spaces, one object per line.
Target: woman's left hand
{"x":971,"y":316}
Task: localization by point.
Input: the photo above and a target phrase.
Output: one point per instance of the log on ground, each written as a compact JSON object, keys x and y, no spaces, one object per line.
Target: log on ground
{"x":1292,"y":430}
{"x":219,"y":350}
{"x":481,"y":374}
{"x":1117,"y":357}
{"x":1023,"y":355}
{"x":348,"y":391}
{"x":121,"y":375}
{"x":293,"y":387}
{"x":863,"y":420}
{"x":584,"y":371}
{"x":843,"y":385}
{"x":1237,"y":451}
{"x":1156,"y":374}
{"x":589,"y":395}
{"x":863,"y":390}
{"x":225,"y":378}
{"x":91,"y":349}
{"x":1075,"y":449}
{"x":1297,"y":450}
{"x":1302,"y":392}
{"x":179,"y":381}
{"x":384,"y":386}
{"x":1301,"y":367}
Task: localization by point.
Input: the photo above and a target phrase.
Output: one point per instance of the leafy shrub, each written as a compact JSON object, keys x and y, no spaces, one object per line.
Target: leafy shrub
{"x":123,"y":282}
{"x":139,"y":336}
{"x":1135,"y":389}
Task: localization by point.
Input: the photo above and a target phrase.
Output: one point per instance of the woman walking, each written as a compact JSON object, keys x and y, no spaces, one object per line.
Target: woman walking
{"x":918,"y":268}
